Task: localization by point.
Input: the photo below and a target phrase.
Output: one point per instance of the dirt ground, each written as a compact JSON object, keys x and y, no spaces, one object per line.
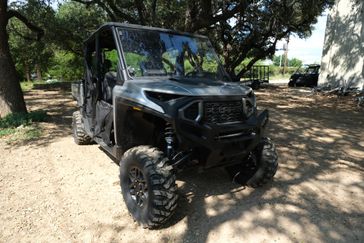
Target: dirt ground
{"x":55,"y":191}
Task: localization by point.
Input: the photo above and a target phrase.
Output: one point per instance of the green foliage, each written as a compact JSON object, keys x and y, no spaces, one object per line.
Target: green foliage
{"x":294,"y":62}
{"x":22,"y":126}
{"x":66,"y":66}
{"x":27,"y":133}
{"x":17,"y":119}
{"x":277,"y":72}
{"x":21,"y":134}
{"x":243,"y":32}
{"x":209,"y":65}
{"x":6,"y":131}
{"x":74,"y":23}
{"x":59,"y":53}
{"x":113,"y":57}
{"x":26,"y":49}
{"x":133,"y":60}
{"x":277,"y":60}
{"x":245,"y":62}
{"x":28,"y":85}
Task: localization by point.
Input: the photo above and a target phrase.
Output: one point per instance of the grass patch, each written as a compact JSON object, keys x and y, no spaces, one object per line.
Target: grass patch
{"x":7,"y":131}
{"x":22,"y":126}
{"x":29,"y":85}
{"x":17,"y":119}
{"x":24,"y":133}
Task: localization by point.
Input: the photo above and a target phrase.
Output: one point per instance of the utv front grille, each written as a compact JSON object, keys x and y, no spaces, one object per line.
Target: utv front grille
{"x":223,"y":112}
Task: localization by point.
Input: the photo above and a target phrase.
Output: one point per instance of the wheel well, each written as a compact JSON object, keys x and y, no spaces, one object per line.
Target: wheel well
{"x":140,"y":128}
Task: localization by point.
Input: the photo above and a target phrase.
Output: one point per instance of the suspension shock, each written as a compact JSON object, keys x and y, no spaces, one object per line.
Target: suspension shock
{"x":169,"y":136}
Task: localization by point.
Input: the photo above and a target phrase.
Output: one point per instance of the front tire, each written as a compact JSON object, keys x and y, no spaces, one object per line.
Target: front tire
{"x":267,"y":160}
{"x":259,"y":168}
{"x":148,"y":186}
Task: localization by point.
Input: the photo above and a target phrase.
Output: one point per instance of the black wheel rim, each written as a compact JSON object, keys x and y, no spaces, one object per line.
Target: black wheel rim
{"x":138,"y":187}
{"x":247,"y":170}
{"x":252,"y":163}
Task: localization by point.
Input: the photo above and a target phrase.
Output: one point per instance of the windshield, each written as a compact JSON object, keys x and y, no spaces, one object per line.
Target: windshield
{"x":155,"y":53}
{"x":312,"y":70}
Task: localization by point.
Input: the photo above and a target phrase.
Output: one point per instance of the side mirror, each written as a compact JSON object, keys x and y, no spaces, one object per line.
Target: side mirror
{"x":131,"y":71}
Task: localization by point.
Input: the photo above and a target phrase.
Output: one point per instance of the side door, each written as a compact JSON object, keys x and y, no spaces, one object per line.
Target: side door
{"x":92,"y":80}
{"x":108,"y":77}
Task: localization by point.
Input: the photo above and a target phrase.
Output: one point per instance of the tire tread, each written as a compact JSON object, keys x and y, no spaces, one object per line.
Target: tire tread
{"x":79,"y":135}
{"x":162,"y":179}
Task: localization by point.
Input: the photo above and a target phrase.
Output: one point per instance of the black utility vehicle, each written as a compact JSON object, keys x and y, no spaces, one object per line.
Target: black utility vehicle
{"x":308,"y":77}
{"x":159,"y":101}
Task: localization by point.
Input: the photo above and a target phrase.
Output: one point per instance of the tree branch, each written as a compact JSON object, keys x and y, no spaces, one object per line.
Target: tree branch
{"x":118,"y":13}
{"x":13,"y":29}
{"x":141,"y":11}
{"x":13,"y":13}
{"x":261,"y":54}
{"x":112,"y":10}
{"x":101,"y":4}
{"x":154,"y":8}
{"x":206,"y":21}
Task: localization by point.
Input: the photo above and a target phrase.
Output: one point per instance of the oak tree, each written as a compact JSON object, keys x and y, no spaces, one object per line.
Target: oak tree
{"x":239,"y":29}
{"x":11,"y":96}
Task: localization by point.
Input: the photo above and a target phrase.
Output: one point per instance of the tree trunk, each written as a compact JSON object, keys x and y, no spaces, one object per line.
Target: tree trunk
{"x":27,"y":72}
{"x":11,"y":95}
{"x":39,"y":71}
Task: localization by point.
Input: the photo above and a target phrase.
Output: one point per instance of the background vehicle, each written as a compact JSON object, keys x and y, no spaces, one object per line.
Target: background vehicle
{"x":308,"y":77}
{"x":159,"y":101}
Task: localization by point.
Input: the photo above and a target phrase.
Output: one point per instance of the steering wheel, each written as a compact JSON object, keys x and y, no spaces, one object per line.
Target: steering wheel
{"x":191,"y":74}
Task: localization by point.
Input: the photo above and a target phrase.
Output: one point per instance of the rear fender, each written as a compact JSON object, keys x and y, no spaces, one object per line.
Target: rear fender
{"x":77,"y":89}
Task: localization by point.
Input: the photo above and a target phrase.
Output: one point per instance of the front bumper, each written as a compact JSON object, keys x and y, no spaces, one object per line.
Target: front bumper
{"x":222,"y":144}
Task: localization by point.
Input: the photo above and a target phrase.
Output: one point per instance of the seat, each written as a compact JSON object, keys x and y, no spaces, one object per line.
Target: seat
{"x":108,"y":85}
{"x":108,"y":82}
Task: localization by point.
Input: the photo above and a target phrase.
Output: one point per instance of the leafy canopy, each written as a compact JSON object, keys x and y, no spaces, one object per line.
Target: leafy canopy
{"x":239,"y":29}
{"x":242,"y":31}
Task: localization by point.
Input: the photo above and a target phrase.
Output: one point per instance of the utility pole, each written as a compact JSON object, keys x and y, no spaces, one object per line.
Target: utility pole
{"x":285,"y":47}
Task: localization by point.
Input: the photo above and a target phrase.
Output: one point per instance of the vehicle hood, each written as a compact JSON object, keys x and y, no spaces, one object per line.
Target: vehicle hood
{"x":190,"y":87}
{"x":135,"y":90}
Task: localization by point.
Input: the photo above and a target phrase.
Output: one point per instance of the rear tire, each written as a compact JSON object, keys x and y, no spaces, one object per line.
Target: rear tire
{"x":79,"y":134}
{"x":148,"y":185}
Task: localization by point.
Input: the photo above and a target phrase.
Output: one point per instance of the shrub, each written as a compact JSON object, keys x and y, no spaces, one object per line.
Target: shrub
{"x":17,"y":119}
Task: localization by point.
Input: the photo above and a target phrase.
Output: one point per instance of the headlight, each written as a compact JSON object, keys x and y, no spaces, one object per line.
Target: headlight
{"x":159,"y":96}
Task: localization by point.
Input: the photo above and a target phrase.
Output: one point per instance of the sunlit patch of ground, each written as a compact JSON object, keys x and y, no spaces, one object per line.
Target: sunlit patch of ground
{"x":53,"y":190}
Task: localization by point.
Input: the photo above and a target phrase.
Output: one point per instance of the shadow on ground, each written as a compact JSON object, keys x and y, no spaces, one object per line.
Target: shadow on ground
{"x":56,"y":100}
{"x":316,"y":194}
{"x":317,"y":138}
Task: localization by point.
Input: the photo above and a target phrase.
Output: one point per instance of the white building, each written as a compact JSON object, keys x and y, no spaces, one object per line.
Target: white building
{"x":343,"y":52}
